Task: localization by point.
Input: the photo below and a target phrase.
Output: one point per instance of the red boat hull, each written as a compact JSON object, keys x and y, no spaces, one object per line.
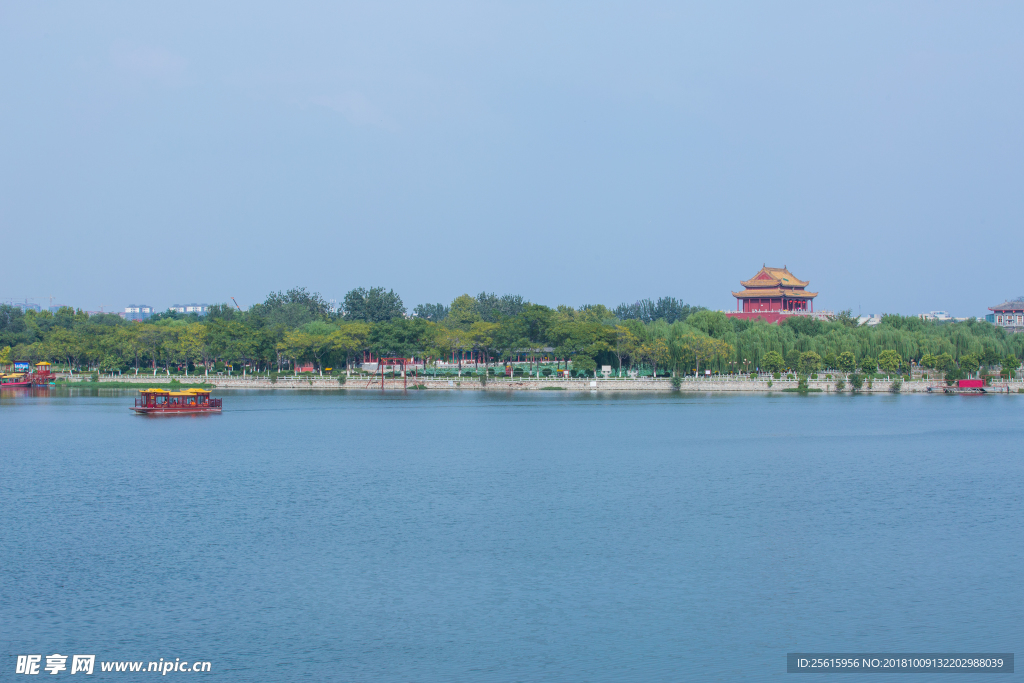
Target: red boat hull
{"x":175,"y":410}
{"x":16,"y":385}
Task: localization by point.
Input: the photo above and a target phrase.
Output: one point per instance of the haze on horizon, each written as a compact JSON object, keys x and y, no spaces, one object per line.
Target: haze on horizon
{"x":571,"y":153}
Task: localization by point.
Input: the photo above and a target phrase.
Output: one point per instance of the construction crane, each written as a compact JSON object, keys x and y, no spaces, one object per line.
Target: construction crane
{"x":236,"y":304}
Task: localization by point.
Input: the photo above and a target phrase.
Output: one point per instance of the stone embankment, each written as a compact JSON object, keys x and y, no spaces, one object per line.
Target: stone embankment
{"x":711,"y":384}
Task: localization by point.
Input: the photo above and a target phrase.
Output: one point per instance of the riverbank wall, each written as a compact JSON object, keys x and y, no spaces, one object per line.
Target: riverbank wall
{"x":687,"y":385}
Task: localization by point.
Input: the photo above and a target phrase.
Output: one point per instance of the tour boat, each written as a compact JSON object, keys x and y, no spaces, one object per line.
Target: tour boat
{"x":15,"y":380}
{"x":164,"y":402}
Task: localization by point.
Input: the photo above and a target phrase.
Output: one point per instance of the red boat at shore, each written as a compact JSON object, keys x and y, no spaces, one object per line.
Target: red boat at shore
{"x":15,"y":380}
{"x":164,"y":402}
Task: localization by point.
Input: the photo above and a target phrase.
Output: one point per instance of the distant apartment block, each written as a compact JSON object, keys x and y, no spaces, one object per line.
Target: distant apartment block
{"x":935,"y":315}
{"x":1008,"y":315}
{"x":23,"y":305}
{"x":198,"y":309}
{"x":137,"y":312}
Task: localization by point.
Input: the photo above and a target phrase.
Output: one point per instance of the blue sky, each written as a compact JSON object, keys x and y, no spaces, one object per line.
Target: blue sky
{"x":569,"y":152}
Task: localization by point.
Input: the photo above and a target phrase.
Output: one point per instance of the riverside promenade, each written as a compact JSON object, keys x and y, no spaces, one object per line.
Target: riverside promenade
{"x":687,"y":385}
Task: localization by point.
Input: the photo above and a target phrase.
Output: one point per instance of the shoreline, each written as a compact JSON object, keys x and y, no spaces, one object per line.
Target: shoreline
{"x":690,"y":385}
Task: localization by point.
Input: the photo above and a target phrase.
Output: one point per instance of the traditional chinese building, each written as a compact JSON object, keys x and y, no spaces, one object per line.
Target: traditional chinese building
{"x":773,"y":293}
{"x":1008,"y":315}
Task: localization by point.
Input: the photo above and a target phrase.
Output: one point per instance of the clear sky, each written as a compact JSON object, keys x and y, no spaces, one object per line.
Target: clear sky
{"x":569,"y":152}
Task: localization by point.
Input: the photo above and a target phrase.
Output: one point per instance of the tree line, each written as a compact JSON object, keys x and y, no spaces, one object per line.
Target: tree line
{"x":663,"y":337}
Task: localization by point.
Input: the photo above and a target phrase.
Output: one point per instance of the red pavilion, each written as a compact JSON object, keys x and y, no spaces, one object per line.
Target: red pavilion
{"x":772,"y":293}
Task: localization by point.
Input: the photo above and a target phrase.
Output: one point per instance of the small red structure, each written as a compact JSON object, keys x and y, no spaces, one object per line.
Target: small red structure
{"x":163,"y":402}
{"x":42,"y":375}
{"x":971,"y":383}
{"x":771,"y":294}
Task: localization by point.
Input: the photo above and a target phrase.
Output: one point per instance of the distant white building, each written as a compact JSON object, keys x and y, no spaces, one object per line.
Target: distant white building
{"x":935,"y":315}
{"x":137,"y":312}
{"x":198,"y":309}
{"x":870,"y":319}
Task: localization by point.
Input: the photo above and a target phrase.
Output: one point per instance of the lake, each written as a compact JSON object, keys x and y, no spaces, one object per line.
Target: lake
{"x":537,"y":536}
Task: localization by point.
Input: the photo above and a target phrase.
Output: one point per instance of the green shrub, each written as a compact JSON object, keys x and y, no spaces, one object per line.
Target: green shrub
{"x":775,"y":375}
{"x":547,"y":372}
{"x":341,"y":379}
{"x":676,"y":383}
{"x":840,"y":384}
{"x":273,"y":377}
{"x":814,"y":376}
{"x":896,"y":385}
{"x":856,"y":381}
{"x":789,"y":375}
{"x":770,"y":382}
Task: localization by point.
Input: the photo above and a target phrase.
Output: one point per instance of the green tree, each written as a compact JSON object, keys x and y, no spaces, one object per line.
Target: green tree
{"x":705,"y":349}
{"x":657,"y":352}
{"x":462,"y":313}
{"x":793,"y":359}
{"x":943,"y":362}
{"x":868,"y":364}
{"x":1010,"y":365}
{"x":846,"y":318}
{"x":481,"y":337}
{"x":773,"y":362}
{"x":373,"y":305}
{"x":66,"y":345}
{"x":889,"y":361}
{"x":351,"y":337}
{"x":190,"y":343}
{"x":583,"y":363}
{"x":129,"y":343}
{"x":969,"y":363}
{"x":625,"y":344}
{"x":809,"y":362}
{"x":847,"y":362}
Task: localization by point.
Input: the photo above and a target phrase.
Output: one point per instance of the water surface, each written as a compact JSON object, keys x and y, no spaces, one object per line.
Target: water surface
{"x":354,"y":536}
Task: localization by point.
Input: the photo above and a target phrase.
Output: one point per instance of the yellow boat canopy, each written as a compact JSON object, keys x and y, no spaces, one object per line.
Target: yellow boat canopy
{"x":186,"y":392}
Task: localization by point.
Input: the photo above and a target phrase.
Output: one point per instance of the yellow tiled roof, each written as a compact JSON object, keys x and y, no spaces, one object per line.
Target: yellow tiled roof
{"x":774,"y":277}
